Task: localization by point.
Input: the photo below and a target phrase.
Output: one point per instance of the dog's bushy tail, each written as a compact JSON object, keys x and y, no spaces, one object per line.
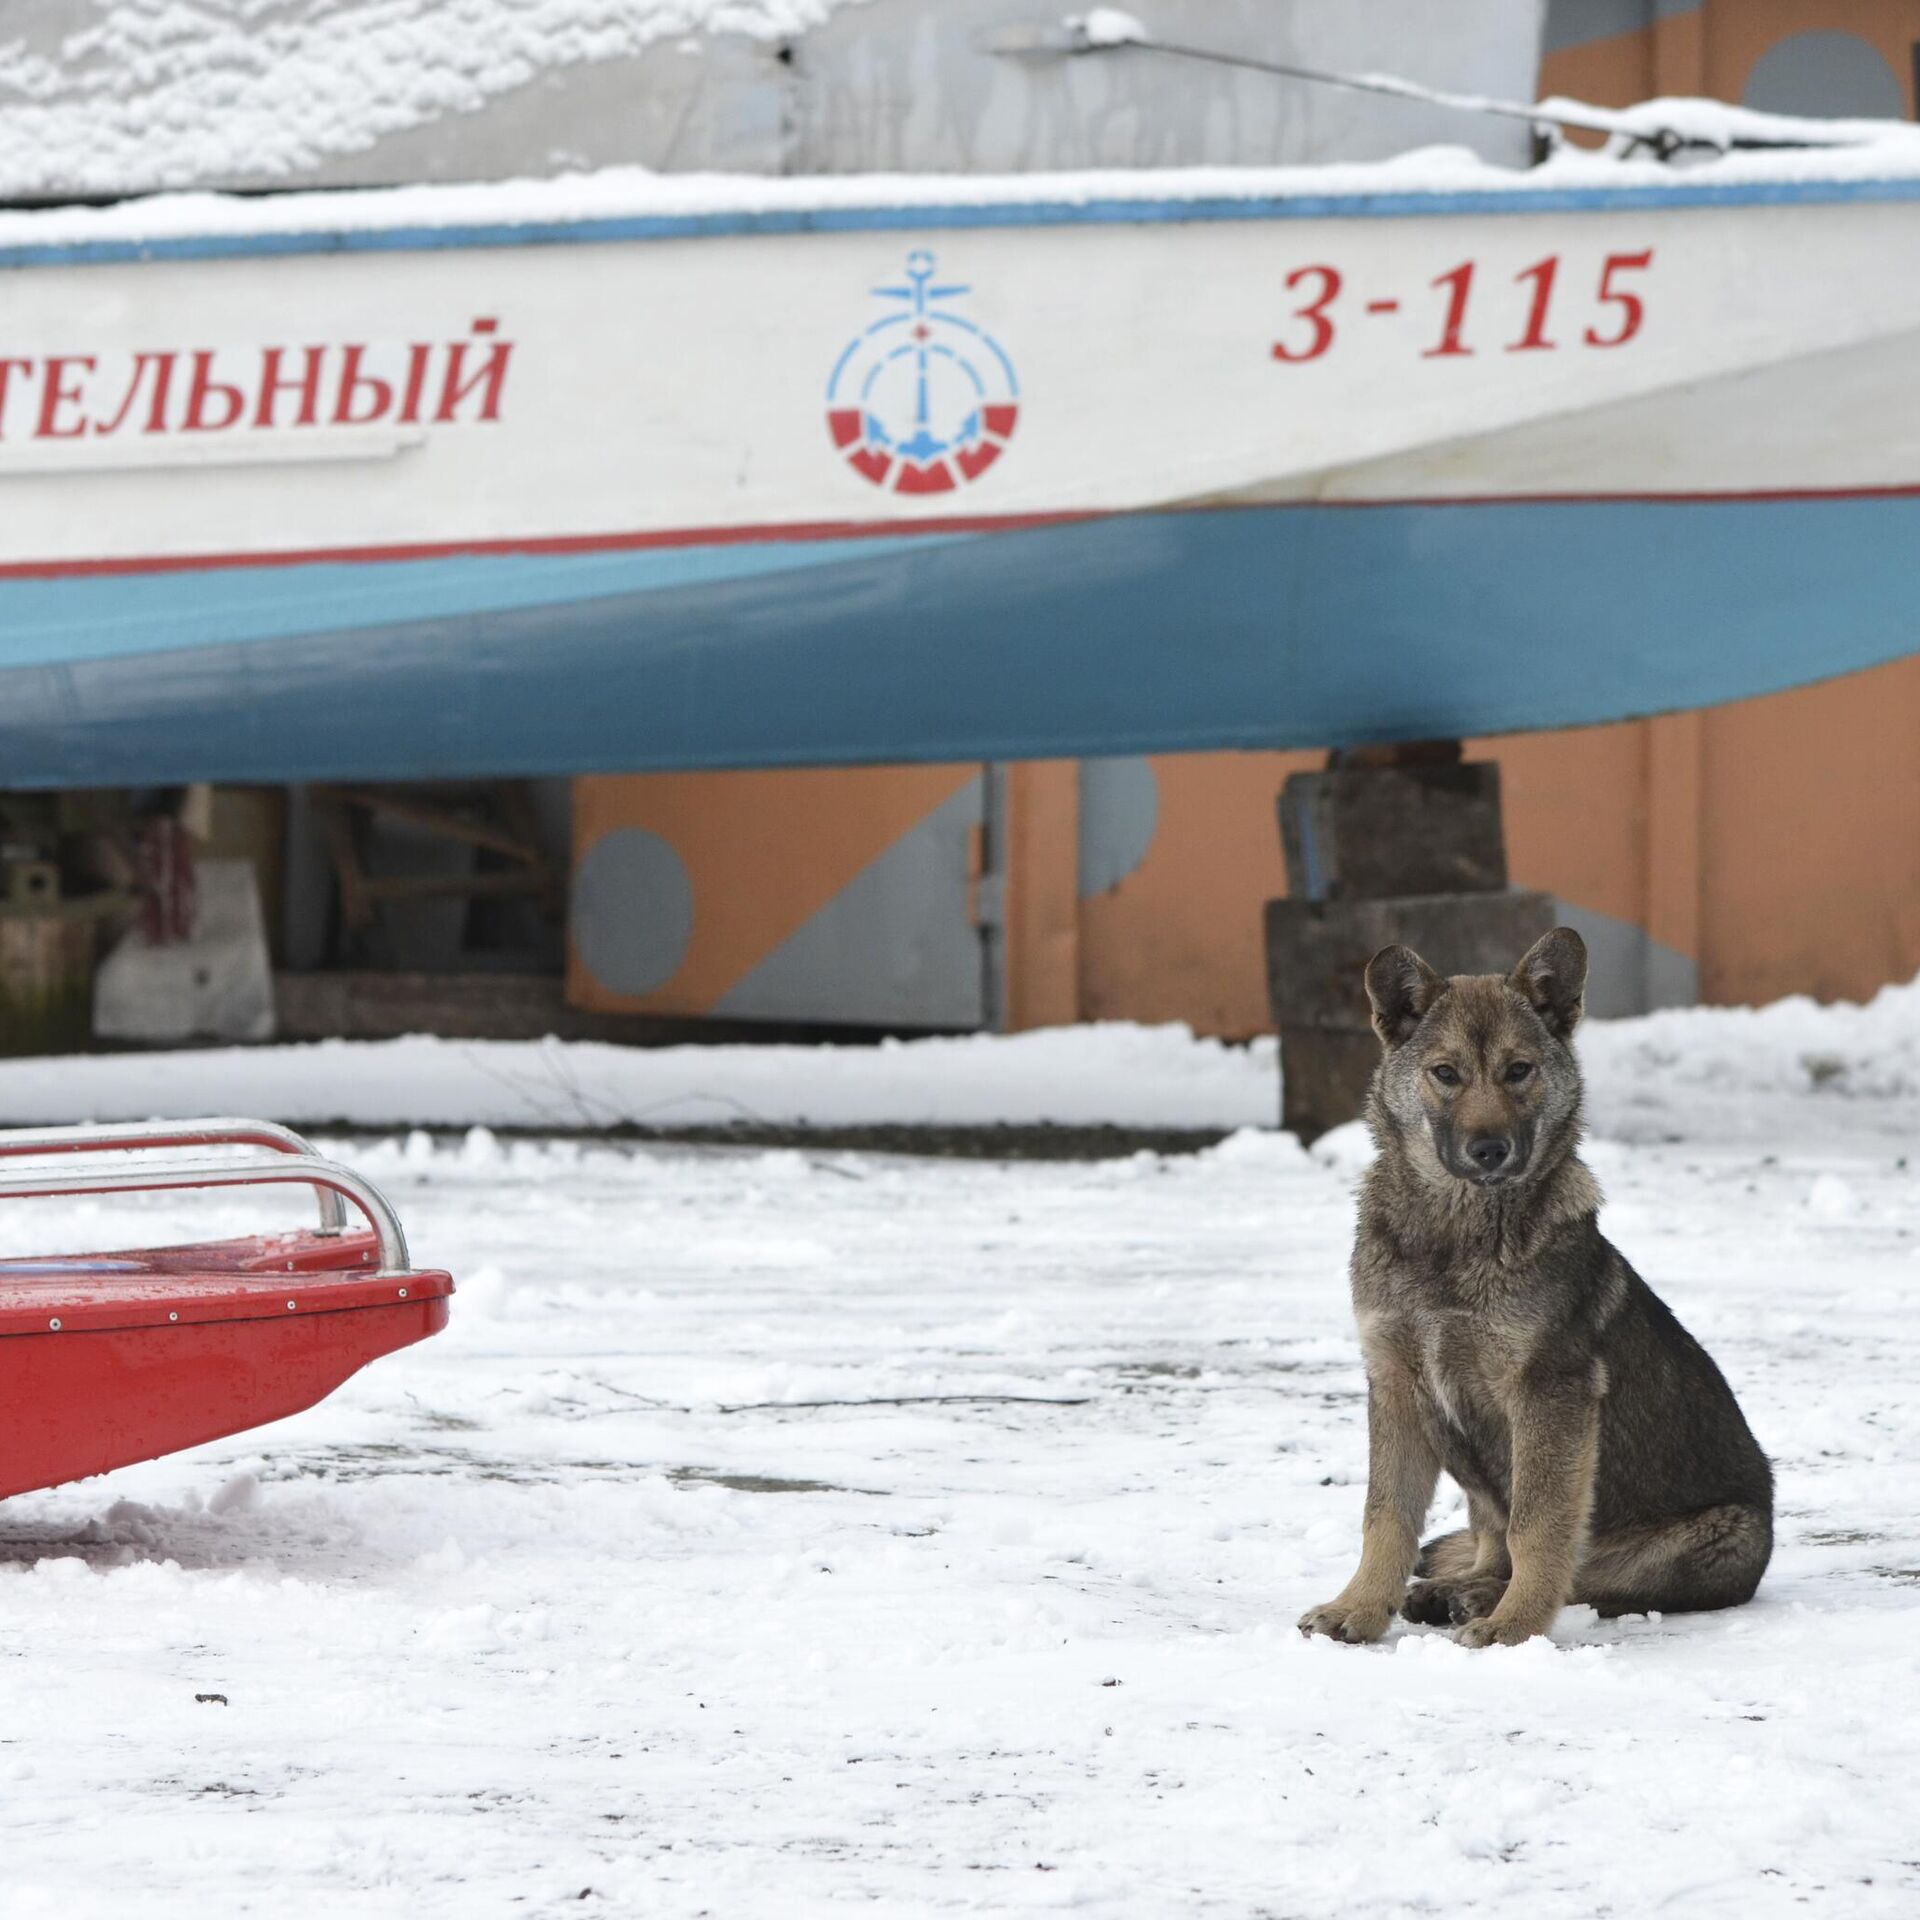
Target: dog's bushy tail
{"x":1447,"y":1556}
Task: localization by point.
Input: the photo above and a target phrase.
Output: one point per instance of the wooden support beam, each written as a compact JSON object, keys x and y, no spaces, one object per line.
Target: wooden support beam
{"x":444,"y":822}
{"x":448,"y":811}
{"x":450,"y":886}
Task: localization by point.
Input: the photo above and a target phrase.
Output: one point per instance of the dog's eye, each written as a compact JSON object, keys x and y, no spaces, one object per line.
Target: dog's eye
{"x":1445,"y":1075}
{"x":1519,"y":1070}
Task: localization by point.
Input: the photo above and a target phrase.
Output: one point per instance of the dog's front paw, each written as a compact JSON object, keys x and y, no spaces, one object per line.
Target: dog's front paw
{"x":1451,"y":1603}
{"x":1429,"y":1603}
{"x":1338,"y":1620}
{"x":1492,"y":1631}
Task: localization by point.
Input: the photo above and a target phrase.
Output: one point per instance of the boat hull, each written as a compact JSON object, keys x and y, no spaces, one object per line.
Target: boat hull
{"x":107,"y":1360}
{"x":1241,"y":627}
{"x":982,"y":481}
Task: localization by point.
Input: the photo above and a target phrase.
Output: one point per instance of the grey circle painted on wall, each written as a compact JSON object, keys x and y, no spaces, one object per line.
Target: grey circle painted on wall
{"x":1119,"y":813}
{"x":1825,"y":73}
{"x":632,"y":911}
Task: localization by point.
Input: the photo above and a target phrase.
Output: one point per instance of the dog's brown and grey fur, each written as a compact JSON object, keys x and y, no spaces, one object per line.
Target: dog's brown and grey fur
{"x":1603,"y":1456}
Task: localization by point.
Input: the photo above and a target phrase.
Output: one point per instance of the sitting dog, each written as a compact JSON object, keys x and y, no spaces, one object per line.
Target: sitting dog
{"x":1603,"y":1456}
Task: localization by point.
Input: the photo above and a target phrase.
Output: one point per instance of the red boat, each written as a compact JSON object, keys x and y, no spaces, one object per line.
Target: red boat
{"x":106,"y":1359}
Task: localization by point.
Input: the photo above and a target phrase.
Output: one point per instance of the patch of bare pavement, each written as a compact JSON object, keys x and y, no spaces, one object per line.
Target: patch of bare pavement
{"x":1041,"y":1141}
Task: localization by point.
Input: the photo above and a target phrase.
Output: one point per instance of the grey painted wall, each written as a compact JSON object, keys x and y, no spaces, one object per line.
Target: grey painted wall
{"x":886,"y":85}
{"x":1572,"y":23}
{"x":1119,"y":814}
{"x":1838,"y":75}
{"x":895,"y":947}
{"x":1628,"y":971}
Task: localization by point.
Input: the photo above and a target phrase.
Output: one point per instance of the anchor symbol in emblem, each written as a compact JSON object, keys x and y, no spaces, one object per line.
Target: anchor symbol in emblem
{"x":924,"y":400}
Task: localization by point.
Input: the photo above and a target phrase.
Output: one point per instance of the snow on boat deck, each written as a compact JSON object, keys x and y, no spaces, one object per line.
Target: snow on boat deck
{"x":1841,"y":159}
{"x":773,"y":1533}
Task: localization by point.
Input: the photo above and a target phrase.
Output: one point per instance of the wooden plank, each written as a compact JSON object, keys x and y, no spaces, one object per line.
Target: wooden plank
{"x":363,"y":1004}
{"x":444,"y":822}
{"x":523,"y":819}
{"x":441,"y":886}
{"x":343,"y":848}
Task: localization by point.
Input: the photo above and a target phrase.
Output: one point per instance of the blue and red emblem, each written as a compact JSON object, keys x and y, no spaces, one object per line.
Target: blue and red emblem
{"x":925,"y":400}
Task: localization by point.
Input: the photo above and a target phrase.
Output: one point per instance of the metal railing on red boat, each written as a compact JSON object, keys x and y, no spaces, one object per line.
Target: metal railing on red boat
{"x":299,"y":1165}
{"x":133,"y":1136}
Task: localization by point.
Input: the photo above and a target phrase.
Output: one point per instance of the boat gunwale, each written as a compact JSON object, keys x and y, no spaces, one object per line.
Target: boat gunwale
{"x":913,"y":216}
{"x":179,"y":1302}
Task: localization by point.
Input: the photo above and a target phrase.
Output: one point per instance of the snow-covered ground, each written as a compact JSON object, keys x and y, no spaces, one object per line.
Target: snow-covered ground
{"x":1123,"y":1075}
{"x":1726,"y":1070}
{"x":784,"y":1533}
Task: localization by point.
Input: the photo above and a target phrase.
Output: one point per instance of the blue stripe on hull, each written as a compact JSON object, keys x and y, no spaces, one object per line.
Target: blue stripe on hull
{"x":1259,"y":627}
{"x":1385,"y":203}
{"x":100,"y":616}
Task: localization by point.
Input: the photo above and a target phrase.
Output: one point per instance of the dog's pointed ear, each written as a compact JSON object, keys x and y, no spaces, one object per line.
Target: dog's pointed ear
{"x":1552,"y":979}
{"x":1401,"y":987}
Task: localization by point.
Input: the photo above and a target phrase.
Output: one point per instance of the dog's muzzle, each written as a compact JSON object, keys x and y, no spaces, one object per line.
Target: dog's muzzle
{"x":1486,"y":1159}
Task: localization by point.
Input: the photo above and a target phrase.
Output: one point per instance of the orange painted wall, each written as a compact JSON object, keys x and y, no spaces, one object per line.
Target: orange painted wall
{"x":1811,"y":840}
{"x":1180,"y":937}
{"x":1776,"y":842}
{"x":1737,"y":34}
{"x":762,"y":852}
{"x":1712,"y":49}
